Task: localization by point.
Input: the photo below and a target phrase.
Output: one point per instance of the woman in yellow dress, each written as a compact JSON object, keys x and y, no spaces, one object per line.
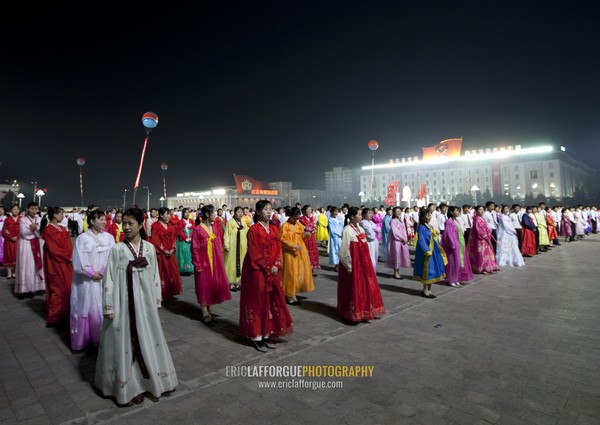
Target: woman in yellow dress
{"x":297,"y":271}
{"x":235,"y":245}
{"x":322,"y":232}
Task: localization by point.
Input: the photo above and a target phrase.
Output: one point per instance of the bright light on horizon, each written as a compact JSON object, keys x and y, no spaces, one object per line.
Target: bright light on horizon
{"x":500,"y":154}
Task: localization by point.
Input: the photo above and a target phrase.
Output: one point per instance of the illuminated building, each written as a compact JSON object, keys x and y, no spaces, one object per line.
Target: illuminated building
{"x":513,"y":171}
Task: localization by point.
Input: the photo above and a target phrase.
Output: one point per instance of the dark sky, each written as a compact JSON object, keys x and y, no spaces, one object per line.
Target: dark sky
{"x":284,"y":90}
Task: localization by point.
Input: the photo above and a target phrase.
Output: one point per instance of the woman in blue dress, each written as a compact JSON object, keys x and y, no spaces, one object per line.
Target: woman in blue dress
{"x":336,"y":227}
{"x":429,"y":263}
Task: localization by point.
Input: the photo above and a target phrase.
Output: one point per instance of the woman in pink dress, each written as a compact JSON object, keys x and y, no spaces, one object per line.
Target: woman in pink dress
{"x":309,"y":222}
{"x":210,"y":278}
{"x":458,"y":269}
{"x":398,"y":255}
{"x":481,"y":253}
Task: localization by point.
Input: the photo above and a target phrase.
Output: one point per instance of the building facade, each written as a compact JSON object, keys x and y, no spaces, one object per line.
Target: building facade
{"x":513,"y":171}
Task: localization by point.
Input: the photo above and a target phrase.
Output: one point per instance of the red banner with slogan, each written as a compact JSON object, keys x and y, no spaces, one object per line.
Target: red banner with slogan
{"x":250,"y":186}
{"x":446,"y":148}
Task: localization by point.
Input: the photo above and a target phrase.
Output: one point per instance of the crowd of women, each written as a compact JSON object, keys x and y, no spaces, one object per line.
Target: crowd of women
{"x":124,"y":265}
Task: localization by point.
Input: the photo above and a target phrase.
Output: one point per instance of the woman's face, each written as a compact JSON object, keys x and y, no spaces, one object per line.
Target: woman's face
{"x":165,"y":217}
{"x":186,"y":215}
{"x":357,"y":218}
{"x":308,"y":212}
{"x":293,"y":219}
{"x":119,"y":218}
{"x":239,"y":214}
{"x":505,"y":209}
{"x":33,"y":210}
{"x":212,"y":216}
{"x":369,"y":215}
{"x":480,"y":211}
{"x":397,"y":212}
{"x":131,"y":227}
{"x":59,"y":216}
{"x":334,"y":213}
{"x":266,"y":212}
{"x":15,"y":211}
{"x":99,"y":224}
{"x":455,"y":213}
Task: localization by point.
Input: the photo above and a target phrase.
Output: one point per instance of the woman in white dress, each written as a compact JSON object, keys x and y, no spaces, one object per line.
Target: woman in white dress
{"x":373,"y":231}
{"x":133,"y":357}
{"x":89,"y":266}
{"x":29,"y":267}
{"x":507,"y":248}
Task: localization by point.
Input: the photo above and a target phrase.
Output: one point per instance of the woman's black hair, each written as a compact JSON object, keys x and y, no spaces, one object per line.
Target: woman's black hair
{"x":394,"y":211}
{"x":423,"y":215}
{"x":32,"y":204}
{"x":138,"y":215}
{"x":207,"y":211}
{"x":236,"y":209}
{"x":364,"y":212}
{"x":52,"y":211}
{"x":161,"y":211}
{"x":94,"y":215}
{"x":451,"y":209}
{"x":305,"y":207}
{"x":260,"y":205}
{"x":352,"y":211}
{"x":293,"y":211}
{"x":334,"y":209}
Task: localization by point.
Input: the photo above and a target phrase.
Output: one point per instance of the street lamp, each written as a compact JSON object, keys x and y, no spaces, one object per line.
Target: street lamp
{"x":125,"y":197}
{"x":20,"y":196}
{"x":474,"y":190}
{"x":34,"y":189}
{"x":39,"y":194}
{"x":161,"y":201}
{"x":148,"y":191}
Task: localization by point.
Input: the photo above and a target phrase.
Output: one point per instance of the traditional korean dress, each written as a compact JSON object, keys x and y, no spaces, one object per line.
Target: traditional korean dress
{"x":2,"y":220}
{"x":133,"y":356}
{"x":322,"y":232}
{"x":58,"y":269}
{"x":528,"y":244}
{"x":263,"y":311}
{"x":10,"y":230}
{"x":184,"y":246}
{"x":310,"y":226}
{"x":458,"y":269}
{"x":29,"y":266}
{"x":296,"y":275}
{"x":210,"y":278}
{"x":507,"y":248}
{"x":373,"y":233}
{"x":90,"y":256}
{"x":235,"y":244}
{"x":428,"y":266}
{"x":358,"y":292}
{"x":336,"y":227}
{"x":163,"y":239}
{"x":397,"y":255}
{"x":481,"y":252}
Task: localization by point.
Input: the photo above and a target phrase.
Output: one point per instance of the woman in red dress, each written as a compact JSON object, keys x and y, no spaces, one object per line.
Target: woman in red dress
{"x":58,"y":268}
{"x":164,"y":240}
{"x":263,"y":311}
{"x":359,"y":298}
{"x":10,"y":233}
{"x":309,"y":222}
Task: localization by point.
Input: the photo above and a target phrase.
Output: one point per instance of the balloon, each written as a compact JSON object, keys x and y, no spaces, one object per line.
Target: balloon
{"x":81,"y":162}
{"x":150,"y":120}
{"x":164,"y":167}
{"x":373,"y":145}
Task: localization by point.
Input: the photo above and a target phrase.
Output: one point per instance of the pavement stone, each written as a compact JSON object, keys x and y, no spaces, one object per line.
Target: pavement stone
{"x":517,"y":347}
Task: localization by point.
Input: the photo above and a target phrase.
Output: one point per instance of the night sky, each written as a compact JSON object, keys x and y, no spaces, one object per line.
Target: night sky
{"x":283,"y":90}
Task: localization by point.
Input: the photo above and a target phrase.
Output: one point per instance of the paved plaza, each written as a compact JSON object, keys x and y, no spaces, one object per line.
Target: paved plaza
{"x":518,"y":347}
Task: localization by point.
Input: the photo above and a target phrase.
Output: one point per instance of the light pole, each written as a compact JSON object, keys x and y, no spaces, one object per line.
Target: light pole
{"x":161,"y":201}
{"x":474,"y":190}
{"x":34,"y":189}
{"x":148,"y":191}
{"x":125,"y":197}
{"x":39,"y":194}
{"x":20,"y":196}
